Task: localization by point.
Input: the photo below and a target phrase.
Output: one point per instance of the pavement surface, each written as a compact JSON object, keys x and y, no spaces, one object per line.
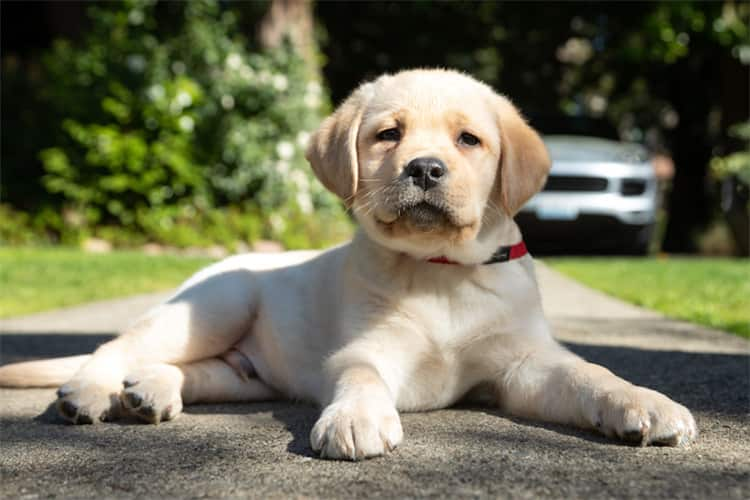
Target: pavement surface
{"x":262,"y":450}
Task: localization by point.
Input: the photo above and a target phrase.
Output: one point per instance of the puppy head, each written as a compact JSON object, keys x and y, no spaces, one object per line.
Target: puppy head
{"x":431,"y":162}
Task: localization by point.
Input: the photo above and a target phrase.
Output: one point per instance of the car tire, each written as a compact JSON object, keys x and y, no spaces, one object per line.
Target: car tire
{"x":641,"y":242}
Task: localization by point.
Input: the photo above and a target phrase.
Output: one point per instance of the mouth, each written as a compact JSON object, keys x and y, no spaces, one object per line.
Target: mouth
{"x":424,"y":215}
{"x":421,"y":216}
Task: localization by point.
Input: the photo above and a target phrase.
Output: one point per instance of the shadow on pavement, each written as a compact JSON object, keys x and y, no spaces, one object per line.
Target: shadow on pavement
{"x":15,"y":347}
{"x":298,"y":419}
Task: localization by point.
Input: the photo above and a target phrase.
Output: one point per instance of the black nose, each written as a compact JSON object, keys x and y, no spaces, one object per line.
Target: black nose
{"x":426,"y":172}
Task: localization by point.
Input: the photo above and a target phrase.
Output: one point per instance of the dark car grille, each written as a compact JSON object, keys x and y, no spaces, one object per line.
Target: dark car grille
{"x":575,"y":183}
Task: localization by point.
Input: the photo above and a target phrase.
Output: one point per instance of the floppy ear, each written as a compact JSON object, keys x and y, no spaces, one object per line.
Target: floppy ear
{"x":524,"y":161}
{"x":332,"y":151}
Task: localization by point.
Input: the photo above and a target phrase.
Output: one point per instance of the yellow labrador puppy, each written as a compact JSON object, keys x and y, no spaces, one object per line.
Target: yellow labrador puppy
{"x":435,"y":296}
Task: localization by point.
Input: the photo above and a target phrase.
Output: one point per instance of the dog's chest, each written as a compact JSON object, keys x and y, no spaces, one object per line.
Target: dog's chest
{"x":450,"y":318}
{"x":452,"y":309}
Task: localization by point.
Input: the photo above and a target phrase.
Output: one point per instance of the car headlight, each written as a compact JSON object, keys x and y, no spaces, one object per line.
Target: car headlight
{"x":632,"y":187}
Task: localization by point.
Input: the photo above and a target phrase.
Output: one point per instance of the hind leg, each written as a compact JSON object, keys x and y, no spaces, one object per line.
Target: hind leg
{"x":156,"y":393}
{"x":205,"y":318}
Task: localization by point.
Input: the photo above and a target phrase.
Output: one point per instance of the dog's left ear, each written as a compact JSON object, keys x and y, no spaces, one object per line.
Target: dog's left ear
{"x":332,"y":151}
{"x":524,"y":161}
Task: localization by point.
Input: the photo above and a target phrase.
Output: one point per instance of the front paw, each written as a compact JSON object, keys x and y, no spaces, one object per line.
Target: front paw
{"x":644,"y":416}
{"x":354,"y":430}
{"x":88,"y":400}
{"x":153,"y":393}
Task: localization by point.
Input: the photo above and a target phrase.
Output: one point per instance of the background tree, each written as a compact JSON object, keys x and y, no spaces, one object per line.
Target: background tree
{"x":165,"y":122}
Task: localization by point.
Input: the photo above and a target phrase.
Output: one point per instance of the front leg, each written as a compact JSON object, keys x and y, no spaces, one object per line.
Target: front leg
{"x":552,"y":384}
{"x":361,"y":420}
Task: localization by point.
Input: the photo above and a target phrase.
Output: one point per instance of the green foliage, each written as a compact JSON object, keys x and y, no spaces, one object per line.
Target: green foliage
{"x":735,"y":164}
{"x":175,"y":129}
{"x":15,"y":227}
{"x":615,"y":60}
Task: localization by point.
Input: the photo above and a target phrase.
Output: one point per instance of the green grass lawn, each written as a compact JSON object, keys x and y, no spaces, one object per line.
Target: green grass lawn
{"x":713,"y":292}
{"x":35,"y":279}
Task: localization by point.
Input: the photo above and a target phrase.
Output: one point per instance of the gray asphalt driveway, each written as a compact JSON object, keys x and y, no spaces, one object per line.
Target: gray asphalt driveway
{"x":262,"y":451}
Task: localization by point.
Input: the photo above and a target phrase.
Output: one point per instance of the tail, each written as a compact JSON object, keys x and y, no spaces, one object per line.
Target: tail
{"x":42,"y":373}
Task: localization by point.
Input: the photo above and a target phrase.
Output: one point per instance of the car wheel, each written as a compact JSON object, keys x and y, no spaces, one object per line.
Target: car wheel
{"x":641,"y":242}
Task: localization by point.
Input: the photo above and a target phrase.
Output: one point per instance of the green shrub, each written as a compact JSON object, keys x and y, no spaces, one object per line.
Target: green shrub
{"x":735,"y":164}
{"x":15,"y":228}
{"x":174,"y":129}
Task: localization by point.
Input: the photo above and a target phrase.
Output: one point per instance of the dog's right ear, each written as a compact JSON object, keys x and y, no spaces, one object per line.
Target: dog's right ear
{"x":332,"y":150}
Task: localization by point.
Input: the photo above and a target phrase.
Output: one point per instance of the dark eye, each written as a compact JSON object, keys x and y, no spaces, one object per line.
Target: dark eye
{"x":468,"y":139}
{"x":391,"y":134}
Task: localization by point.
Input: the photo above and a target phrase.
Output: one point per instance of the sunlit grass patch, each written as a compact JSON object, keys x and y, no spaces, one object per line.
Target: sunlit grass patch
{"x":36,"y":279}
{"x":710,"y":291}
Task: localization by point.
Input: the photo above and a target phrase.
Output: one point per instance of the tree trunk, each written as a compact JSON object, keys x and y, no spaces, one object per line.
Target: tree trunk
{"x":292,"y":19}
{"x":689,"y":207}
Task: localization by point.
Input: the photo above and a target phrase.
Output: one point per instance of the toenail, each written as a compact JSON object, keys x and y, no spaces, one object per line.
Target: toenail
{"x":134,"y":400}
{"x":68,"y":409}
{"x":63,"y":391}
{"x":147,"y":412}
{"x":633,"y":435}
{"x":84,"y":419}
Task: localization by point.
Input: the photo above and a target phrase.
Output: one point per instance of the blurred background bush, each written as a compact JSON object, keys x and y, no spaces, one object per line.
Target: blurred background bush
{"x":162,"y":122}
{"x":184,"y":123}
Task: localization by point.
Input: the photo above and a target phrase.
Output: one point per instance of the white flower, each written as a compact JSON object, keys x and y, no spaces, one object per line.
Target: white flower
{"x":312,"y":101}
{"x":280,"y":83}
{"x":285,"y":150}
{"x":575,"y":51}
{"x":597,"y":103}
{"x":312,"y":94}
{"x":246,"y":73}
{"x":303,"y":138}
{"x":282,"y":167}
{"x":135,"y":17}
{"x":304,"y":201}
{"x":155,"y":92}
{"x":277,"y":223}
{"x":227,"y":101}
{"x":234,"y":61}
{"x":183,"y":99}
{"x":300,"y":180}
{"x":136,"y":63}
{"x":186,"y":123}
{"x":313,"y":87}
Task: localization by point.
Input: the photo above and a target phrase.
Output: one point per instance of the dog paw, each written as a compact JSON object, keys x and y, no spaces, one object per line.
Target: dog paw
{"x":643,"y":416}
{"x":153,"y":393}
{"x":354,"y":430}
{"x":87,"y":401}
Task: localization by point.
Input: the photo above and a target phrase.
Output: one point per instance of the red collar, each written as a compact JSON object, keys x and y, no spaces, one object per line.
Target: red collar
{"x":502,"y":254}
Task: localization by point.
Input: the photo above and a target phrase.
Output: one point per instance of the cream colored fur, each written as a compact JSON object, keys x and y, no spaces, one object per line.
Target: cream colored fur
{"x":371,"y":328}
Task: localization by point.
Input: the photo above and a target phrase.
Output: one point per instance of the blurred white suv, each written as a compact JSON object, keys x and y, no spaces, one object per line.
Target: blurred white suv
{"x":601,"y":196}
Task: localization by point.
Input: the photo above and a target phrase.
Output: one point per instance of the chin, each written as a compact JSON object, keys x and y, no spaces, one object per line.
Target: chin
{"x":420,"y":231}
